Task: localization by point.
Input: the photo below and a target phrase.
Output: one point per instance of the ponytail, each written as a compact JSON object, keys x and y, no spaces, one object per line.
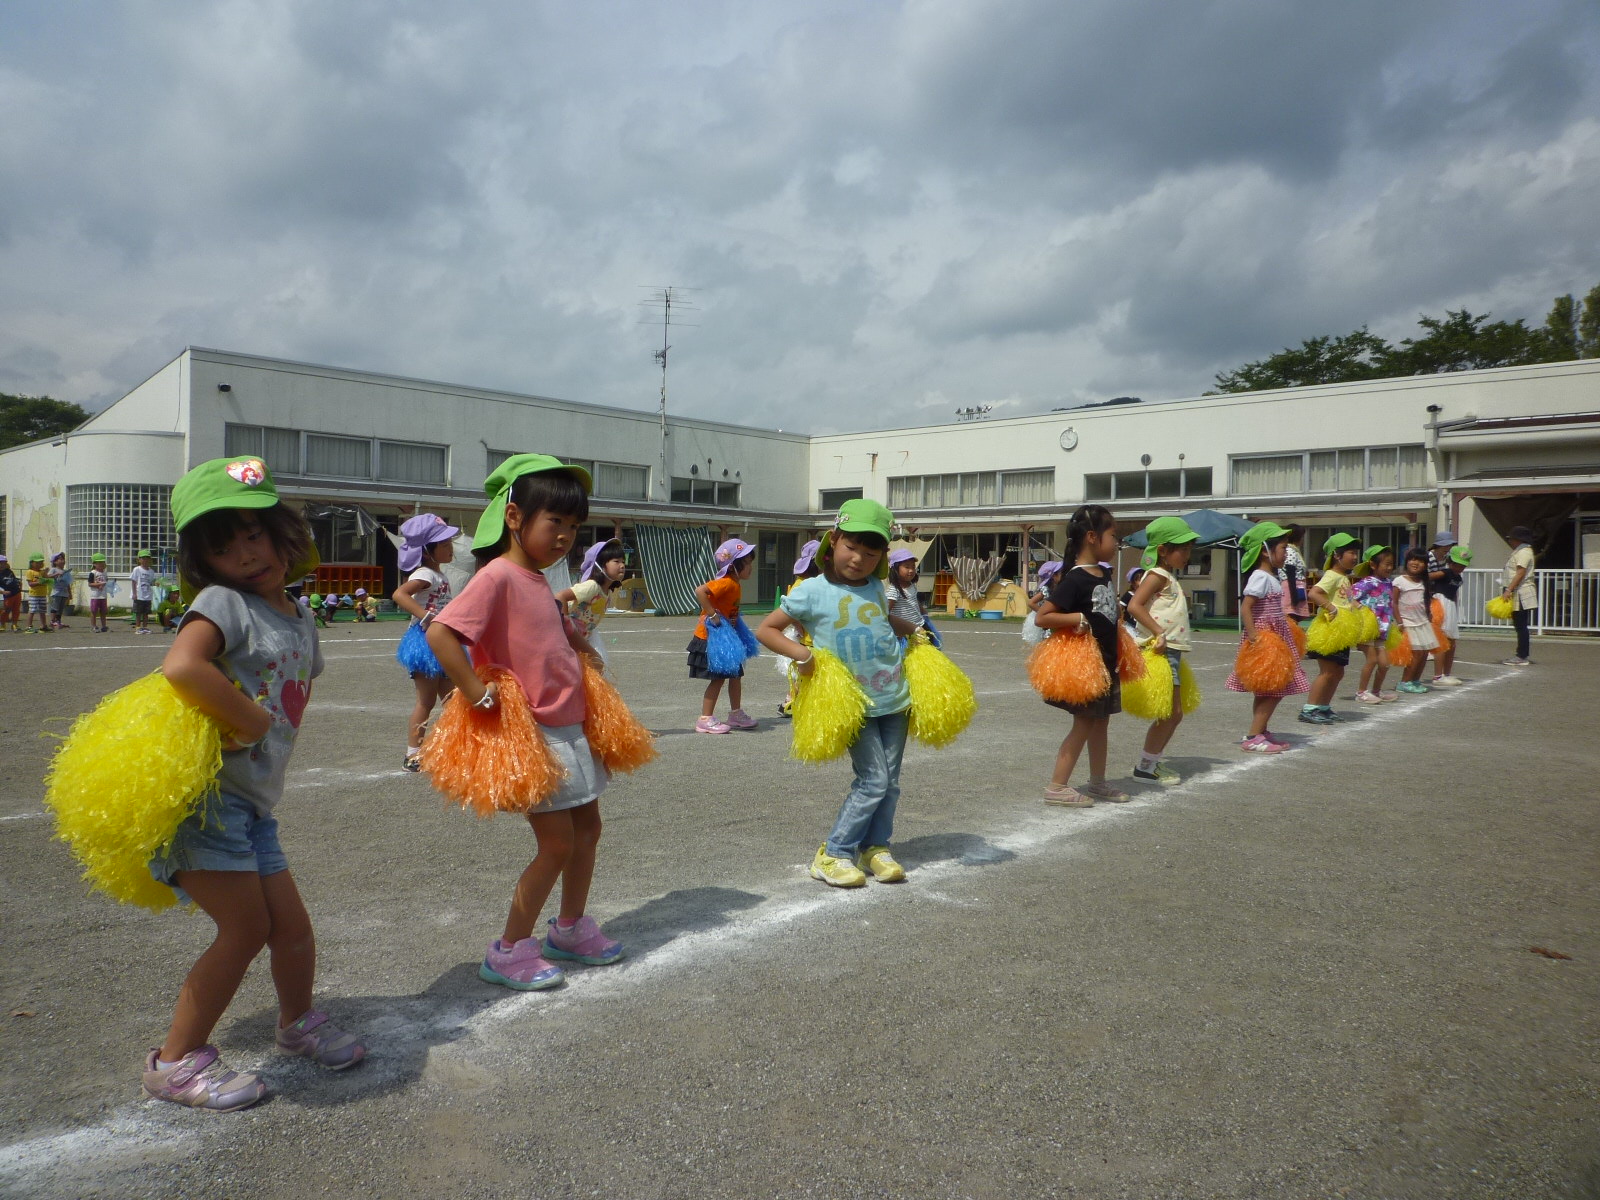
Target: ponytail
{"x":1088,"y":519}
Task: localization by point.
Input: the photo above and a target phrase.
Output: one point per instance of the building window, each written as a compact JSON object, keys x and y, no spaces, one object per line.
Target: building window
{"x":338,"y":538}
{"x":338,"y":457}
{"x":278,"y":448}
{"x":118,"y":520}
{"x":412,"y":462}
{"x":972,"y":489}
{"x":495,"y":458}
{"x":692,"y":490}
{"x":1355,"y":470}
{"x":619,"y":481}
{"x":828,"y":499}
{"x":1148,"y":485}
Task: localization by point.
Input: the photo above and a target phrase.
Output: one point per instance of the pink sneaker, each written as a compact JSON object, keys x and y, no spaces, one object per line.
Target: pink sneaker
{"x":313,"y":1036}
{"x":1260,"y":745}
{"x":711,"y":725}
{"x":581,"y":942}
{"x":199,"y":1080}
{"x":1368,"y":697}
{"x":520,"y":966}
{"x":1275,"y":739}
{"x":739,"y":719}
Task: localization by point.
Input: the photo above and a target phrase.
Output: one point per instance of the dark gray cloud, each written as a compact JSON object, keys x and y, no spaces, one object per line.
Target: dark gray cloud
{"x":891,"y":209}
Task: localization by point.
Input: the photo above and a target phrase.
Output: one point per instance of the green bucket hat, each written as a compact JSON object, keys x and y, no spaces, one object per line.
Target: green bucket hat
{"x":1165,"y":531}
{"x":1372,"y":553}
{"x":861,"y":516}
{"x":1254,"y":539}
{"x":144,"y":554}
{"x":1336,"y":543}
{"x":491,"y":526}
{"x":1460,"y":554}
{"x":222,"y":483}
{"x":97,"y":558}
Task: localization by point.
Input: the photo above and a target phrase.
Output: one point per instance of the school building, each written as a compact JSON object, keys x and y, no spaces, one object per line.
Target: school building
{"x":1391,"y":460}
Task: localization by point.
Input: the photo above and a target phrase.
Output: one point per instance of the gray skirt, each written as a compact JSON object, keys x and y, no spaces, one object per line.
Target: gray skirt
{"x":586,"y":775}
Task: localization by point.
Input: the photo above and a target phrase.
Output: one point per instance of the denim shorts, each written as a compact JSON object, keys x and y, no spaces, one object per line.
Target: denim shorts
{"x":1175,"y":660}
{"x":223,"y":834}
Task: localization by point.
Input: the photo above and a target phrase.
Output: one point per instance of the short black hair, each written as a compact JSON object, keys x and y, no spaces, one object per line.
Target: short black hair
{"x":871,"y":539}
{"x":210,"y":533}
{"x":560,"y":492}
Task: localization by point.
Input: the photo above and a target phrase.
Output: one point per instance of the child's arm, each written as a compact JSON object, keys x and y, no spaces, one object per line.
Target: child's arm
{"x":566,"y":598}
{"x":190,"y":666}
{"x":1051,"y":617}
{"x":708,"y":611}
{"x":404,"y":598}
{"x":452,"y":655}
{"x":1247,"y":613}
{"x":1139,"y":607}
{"x":902,"y":627}
{"x":1320,"y":598}
{"x":770,"y":634}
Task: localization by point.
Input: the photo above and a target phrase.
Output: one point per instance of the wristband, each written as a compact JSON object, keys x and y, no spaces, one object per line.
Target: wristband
{"x":485,"y":701}
{"x":800,"y":662}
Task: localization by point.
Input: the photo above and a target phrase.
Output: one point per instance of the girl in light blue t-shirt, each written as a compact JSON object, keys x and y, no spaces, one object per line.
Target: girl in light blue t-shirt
{"x":844,"y":611}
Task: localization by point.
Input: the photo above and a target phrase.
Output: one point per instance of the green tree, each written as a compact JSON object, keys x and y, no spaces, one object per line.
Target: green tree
{"x":1589,"y":325}
{"x":1356,"y":355}
{"x":1464,"y":342}
{"x":29,"y":418}
{"x":1561,"y":327}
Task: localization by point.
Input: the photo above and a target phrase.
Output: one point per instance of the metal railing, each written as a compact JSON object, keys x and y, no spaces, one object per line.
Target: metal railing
{"x":1569,"y":600}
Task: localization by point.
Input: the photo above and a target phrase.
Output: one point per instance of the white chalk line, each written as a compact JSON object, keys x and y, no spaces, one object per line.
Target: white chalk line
{"x":131,"y":1128}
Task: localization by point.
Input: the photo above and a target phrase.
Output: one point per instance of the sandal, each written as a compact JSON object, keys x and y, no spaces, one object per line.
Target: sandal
{"x":1066,"y":796}
{"x":1104,"y":791}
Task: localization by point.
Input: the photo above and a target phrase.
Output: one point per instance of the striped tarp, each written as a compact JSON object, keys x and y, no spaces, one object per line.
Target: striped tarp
{"x":676,"y":560}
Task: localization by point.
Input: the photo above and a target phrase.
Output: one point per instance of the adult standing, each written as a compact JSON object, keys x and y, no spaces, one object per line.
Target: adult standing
{"x":1519,"y":588}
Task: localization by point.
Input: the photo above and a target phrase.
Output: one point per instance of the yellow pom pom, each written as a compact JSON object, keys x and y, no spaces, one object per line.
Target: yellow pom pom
{"x":1500,"y":608}
{"x":1331,"y":635}
{"x":942,"y":699}
{"x":1067,"y":667}
{"x":1149,"y":697}
{"x":613,"y":732}
{"x":125,"y":778}
{"x":829,"y":709}
{"x":1369,"y":629}
{"x":495,"y":760}
{"x":1188,"y":688}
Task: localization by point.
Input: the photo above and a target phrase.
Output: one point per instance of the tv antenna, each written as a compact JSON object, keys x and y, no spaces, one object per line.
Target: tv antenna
{"x":666,"y":299}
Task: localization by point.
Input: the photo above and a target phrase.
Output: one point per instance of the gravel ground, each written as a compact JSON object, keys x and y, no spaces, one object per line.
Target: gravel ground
{"x":1307,"y":975}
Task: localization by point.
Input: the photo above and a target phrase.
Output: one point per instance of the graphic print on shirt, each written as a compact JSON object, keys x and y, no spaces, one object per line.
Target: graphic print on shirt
{"x":1104,"y":600}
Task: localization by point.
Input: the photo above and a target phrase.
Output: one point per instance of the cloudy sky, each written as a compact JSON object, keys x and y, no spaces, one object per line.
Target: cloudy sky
{"x":888,"y":210}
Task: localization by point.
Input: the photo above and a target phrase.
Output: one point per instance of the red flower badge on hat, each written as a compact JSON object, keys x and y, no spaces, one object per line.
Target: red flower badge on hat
{"x":249,"y":471}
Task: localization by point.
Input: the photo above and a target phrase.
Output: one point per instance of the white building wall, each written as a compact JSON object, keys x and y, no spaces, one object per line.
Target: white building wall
{"x":159,"y":404}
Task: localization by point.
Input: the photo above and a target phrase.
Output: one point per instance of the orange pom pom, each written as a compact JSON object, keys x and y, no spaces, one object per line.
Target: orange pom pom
{"x":1298,"y":633}
{"x":1265,"y":666}
{"x":1399,"y":645}
{"x":1130,"y":659}
{"x":1067,"y":667}
{"x":614,"y":733}
{"x":491,"y":761}
{"x":1436,"y":612}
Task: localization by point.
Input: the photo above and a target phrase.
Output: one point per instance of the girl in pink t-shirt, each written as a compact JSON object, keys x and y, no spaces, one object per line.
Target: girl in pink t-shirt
{"x":508,"y":616}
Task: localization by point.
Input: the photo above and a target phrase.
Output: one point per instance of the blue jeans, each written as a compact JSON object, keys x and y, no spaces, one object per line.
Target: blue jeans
{"x":867,"y":816}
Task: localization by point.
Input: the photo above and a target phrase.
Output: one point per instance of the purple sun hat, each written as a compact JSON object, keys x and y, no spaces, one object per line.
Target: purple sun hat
{"x":420,"y":532}
{"x":729,"y":553}
{"x":591,"y":557}
{"x":1048,"y":571}
{"x":808,"y":553}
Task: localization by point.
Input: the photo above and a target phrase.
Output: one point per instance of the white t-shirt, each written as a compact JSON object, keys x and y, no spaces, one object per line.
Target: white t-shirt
{"x":436,"y":595}
{"x":1527,"y":595}
{"x":142,"y":578}
{"x":97,"y":584}
{"x":1262,"y":585}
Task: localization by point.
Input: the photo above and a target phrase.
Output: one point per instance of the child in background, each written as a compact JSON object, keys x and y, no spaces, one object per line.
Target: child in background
{"x":1411,"y":610}
{"x":1159,"y":605}
{"x":1134,"y":579}
{"x":97,"y":594}
{"x":1371,"y":589}
{"x":1262,"y":549}
{"x":1084,"y":602}
{"x":599,"y":574}
{"x":38,"y":579}
{"x":1041,"y":593}
{"x":330,"y":606}
{"x":10,"y":596}
{"x":843,"y":612}
{"x":1292,"y":574}
{"x":316,"y":610}
{"x":804,"y":568}
{"x":425,"y":546}
{"x":508,"y":616}
{"x":60,"y":591}
{"x":142,"y":579}
{"x":1446,"y":563}
{"x":247,"y":657}
{"x":901,"y":588}
{"x":719,"y":601}
{"x":366,"y":607}
{"x":1331,"y":593}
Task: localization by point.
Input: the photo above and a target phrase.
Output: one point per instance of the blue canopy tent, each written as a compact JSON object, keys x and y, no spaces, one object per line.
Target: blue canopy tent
{"x":1217,"y":529}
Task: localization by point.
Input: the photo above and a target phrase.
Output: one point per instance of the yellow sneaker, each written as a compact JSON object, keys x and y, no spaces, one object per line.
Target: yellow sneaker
{"x":836,"y":872}
{"x":880,"y":864}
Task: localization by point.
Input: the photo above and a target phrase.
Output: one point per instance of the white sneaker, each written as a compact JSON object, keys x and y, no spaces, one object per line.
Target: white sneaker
{"x":1446,"y":681}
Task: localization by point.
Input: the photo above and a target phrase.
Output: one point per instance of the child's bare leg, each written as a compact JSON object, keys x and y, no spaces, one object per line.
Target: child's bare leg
{"x":1071,"y":747}
{"x":579,"y":872}
{"x":1369,"y":663}
{"x":553,"y":832}
{"x":426,"y":691}
{"x":1261,"y":714}
{"x":1160,"y":733}
{"x":1383,"y":669}
{"x":736,"y":692}
{"x":235,"y":901}
{"x":708,"y":705}
{"x":292,"y":944}
{"x":1097,"y":749}
{"x":1323,"y":687}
